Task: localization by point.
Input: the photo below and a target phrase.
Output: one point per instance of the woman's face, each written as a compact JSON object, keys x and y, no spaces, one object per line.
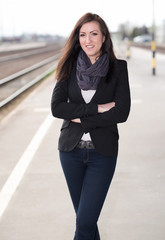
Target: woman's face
{"x":91,"y":39}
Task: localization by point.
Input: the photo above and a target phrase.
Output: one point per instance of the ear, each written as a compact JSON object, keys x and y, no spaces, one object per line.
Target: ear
{"x":103,"y":39}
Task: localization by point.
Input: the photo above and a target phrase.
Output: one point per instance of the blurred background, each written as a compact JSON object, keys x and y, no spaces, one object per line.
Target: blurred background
{"x":34,"y":200}
{"x":22,"y":21}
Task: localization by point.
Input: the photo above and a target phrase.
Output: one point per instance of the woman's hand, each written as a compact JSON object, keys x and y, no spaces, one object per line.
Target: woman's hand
{"x":101,"y":108}
{"x":105,"y":107}
{"x":76,"y":120}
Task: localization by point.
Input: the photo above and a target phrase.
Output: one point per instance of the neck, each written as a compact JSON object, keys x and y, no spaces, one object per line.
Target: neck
{"x":94,"y":59}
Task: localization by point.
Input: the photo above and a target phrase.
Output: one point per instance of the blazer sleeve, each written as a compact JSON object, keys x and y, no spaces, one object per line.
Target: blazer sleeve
{"x":62,"y":108}
{"x":120,"y":112}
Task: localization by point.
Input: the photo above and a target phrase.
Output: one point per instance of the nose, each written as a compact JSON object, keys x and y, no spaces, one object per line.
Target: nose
{"x":88,"y":39}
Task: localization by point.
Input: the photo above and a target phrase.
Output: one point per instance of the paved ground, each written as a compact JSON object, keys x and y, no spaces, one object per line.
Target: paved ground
{"x":40,"y":207}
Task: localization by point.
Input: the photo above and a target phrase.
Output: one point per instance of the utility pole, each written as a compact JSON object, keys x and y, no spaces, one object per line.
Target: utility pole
{"x":153,"y":45}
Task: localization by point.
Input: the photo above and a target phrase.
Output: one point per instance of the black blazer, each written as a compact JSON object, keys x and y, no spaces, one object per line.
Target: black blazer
{"x":67,"y":103}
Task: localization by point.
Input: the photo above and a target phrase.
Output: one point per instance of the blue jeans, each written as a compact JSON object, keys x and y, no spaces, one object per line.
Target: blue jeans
{"x":88,"y":175}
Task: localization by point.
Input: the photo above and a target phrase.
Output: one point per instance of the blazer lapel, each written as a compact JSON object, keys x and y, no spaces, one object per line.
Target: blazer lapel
{"x":99,"y":89}
{"x":77,"y":90}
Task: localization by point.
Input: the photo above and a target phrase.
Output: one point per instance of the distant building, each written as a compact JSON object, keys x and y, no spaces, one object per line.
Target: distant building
{"x":160,"y":33}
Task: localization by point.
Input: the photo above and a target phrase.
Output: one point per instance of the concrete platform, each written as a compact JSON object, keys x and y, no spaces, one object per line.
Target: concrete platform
{"x":40,"y":207}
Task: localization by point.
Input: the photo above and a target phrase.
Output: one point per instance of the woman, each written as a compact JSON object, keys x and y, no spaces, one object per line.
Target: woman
{"x":92,"y":96}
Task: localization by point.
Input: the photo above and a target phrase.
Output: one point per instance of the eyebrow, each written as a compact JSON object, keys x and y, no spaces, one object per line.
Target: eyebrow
{"x":91,"y":31}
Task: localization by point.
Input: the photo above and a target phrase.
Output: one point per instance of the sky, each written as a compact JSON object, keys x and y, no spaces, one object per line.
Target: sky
{"x":59,"y":17}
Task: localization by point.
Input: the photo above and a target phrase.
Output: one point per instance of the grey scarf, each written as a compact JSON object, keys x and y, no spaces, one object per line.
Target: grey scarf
{"x":88,"y":74}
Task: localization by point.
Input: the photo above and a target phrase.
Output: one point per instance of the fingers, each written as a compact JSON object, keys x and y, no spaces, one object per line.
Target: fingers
{"x":76,"y":120}
{"x":105,"y":107}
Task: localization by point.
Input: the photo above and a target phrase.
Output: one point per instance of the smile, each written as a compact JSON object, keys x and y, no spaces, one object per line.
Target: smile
{"x":89,"y":46}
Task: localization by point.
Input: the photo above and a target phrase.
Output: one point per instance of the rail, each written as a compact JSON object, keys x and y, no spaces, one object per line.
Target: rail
{"x":147,"y":46}
{"x":29,"y":69}
{"x":26,"y":54}
{"x":27,"y":86}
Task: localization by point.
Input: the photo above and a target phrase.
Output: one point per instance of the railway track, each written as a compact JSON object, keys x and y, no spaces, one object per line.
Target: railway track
{"x":8,"y":56}
{"x":159,"y":48}
{"x":21,"y":71}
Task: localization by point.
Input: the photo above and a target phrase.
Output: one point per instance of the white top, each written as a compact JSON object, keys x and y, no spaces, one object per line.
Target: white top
{"x":87,"y":95}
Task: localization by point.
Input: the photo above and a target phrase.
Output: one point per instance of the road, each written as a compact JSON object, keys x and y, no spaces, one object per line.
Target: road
{"x":34,"y":200}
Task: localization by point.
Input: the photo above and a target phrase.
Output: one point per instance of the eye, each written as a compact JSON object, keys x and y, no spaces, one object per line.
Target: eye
{"x":82,"y":34}
{"x":94,"y":34}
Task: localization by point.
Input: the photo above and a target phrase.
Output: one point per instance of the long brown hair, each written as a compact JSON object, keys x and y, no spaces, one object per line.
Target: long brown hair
{"x":72,"y":46}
